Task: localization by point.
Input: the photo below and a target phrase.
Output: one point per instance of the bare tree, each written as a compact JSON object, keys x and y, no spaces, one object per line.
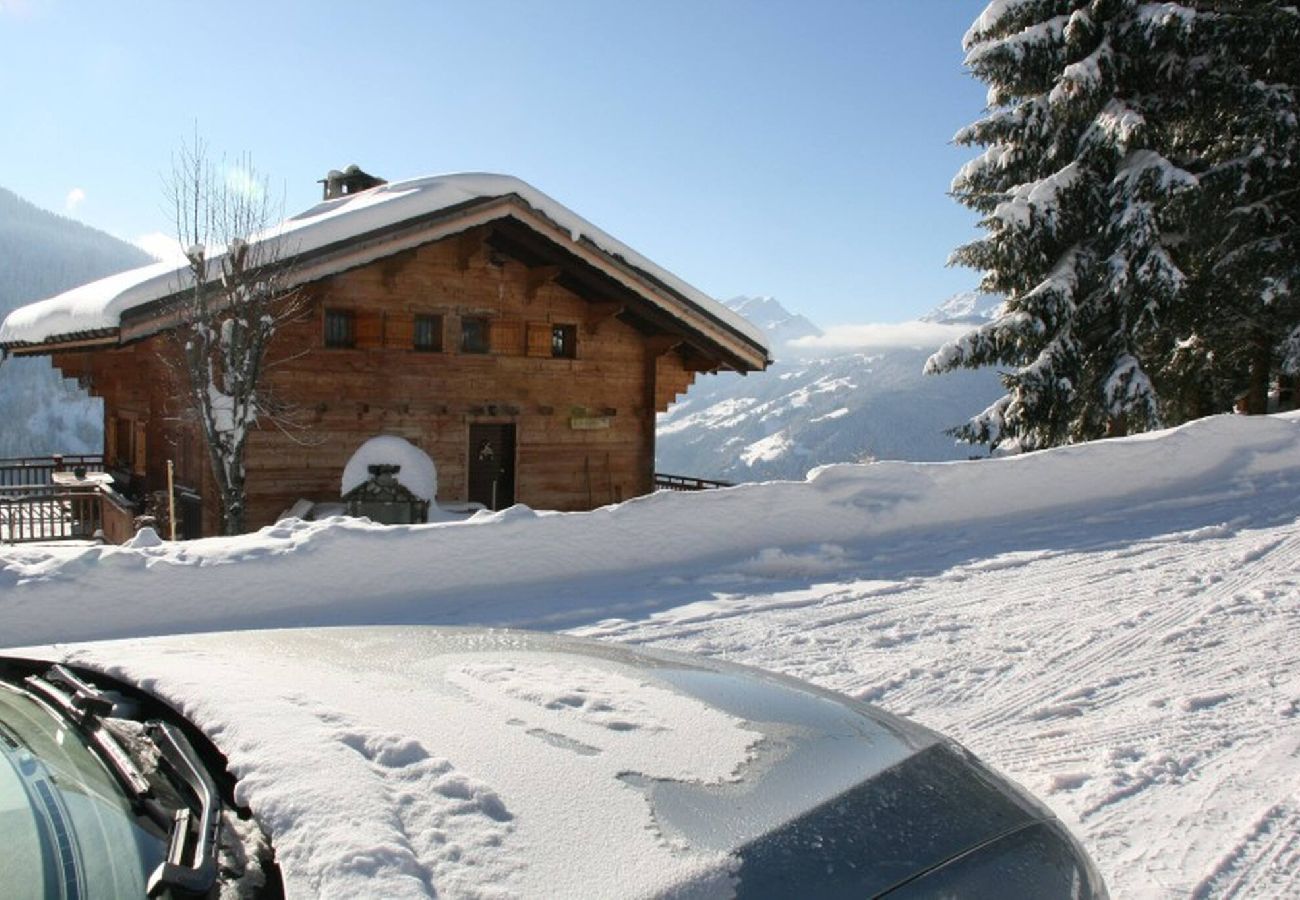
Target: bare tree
{"x":235,"y":293}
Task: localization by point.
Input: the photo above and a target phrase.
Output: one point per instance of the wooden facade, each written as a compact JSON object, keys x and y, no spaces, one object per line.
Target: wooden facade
{"x":529,"y":368}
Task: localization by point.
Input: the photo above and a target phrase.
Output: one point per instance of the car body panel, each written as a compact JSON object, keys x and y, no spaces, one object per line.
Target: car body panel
{"x":441,"y":759}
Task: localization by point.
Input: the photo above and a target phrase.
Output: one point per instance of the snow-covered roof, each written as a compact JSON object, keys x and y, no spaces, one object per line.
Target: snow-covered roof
{"x":99,"y":306}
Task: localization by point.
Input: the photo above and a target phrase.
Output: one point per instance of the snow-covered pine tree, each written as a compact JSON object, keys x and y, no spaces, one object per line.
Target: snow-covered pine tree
{"x":1105,"y":120}
{"x":1248,"y":234}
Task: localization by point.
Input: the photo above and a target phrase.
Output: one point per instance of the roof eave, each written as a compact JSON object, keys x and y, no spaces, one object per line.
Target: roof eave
{"x":79,"y":340}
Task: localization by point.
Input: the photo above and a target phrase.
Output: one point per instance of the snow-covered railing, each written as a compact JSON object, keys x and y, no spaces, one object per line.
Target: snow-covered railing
{"x":665,"y":482}
{"x":47,"y":512}
{"x":36,"y":470}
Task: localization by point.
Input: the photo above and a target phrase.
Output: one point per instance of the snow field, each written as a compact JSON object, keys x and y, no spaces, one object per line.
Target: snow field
{"x":1149,"y":692}
{"x":1113,"y":625}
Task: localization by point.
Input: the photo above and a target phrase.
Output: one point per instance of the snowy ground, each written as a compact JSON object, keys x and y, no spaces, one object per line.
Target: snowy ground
{"x":1116,"y":626}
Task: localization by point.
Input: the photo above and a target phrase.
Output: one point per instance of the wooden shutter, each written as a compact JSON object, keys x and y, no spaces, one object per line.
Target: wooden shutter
{"x":507,"y":337}
{"x":399,"y":332}
{"x":139,"y":458}
{"x":110,"y":440}
{"x":370,"y":330}
{"x":539,"y":339}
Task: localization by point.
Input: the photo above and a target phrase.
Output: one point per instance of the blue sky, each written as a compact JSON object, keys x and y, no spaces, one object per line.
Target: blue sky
{"x":793,"y":149}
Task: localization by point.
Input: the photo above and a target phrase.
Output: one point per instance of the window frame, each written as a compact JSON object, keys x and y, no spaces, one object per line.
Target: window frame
{"x":485,"y":322}
{"x":564,"y":341}
{"x":334,"y":316}
{"x":436,"y":328}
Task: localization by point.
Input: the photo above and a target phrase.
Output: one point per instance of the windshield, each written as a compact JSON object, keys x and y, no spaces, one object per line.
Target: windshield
{"x":69,"y":830}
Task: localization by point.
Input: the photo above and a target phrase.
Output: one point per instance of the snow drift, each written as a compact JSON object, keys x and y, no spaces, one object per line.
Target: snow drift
{"x":1114,"y":625}
{"x":325,"y":572}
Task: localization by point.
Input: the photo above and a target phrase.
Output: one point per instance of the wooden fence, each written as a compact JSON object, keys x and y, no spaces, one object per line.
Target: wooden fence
{"x":44,"y":512}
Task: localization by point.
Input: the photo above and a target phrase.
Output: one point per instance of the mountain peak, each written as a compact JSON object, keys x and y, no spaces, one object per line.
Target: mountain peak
{"x":780,"y":325}
{"x":968,"y":307}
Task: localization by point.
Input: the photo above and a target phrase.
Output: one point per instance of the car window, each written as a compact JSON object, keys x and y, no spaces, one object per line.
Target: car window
{"x":69,"y":830}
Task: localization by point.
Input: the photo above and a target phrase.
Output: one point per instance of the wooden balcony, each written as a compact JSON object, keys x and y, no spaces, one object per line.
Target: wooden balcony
{"x":37,"y":505}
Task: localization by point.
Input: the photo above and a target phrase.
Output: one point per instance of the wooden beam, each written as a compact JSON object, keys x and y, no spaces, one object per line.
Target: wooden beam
{"x":600,"y":312}
{"x":660,"y":344}
{"x":538,"y":278}
{"x":60,"y":346}
{"x":697,"y":363}
{"x":468,"y":243}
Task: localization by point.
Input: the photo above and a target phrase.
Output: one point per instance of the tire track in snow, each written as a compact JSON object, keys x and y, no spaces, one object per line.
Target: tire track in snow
{"x":1088,"y":663}
{"x":1266,"y":863}
{"x":1139,"y":705}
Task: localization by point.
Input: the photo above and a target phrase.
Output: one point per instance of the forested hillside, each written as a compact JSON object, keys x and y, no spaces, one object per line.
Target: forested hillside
{"x":42,"y":254}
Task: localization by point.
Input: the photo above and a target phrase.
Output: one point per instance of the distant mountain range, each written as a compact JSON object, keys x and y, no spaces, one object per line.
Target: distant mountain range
{"x":813,"y":407}
{"x":42,"y":254}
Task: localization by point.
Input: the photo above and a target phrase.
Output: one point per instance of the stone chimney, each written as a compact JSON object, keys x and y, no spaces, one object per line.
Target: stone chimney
{"x":350,"y":181}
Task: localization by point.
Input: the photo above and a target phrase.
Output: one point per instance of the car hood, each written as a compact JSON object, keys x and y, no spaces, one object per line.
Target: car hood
{"x":418,"y":760}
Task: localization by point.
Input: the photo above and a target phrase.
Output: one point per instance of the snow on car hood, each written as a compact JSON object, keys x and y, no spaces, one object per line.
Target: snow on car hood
{"x":422,"y":761}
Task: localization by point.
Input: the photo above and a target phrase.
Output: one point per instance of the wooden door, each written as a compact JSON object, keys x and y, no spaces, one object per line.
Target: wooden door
{"x":189,"y":514}
{"x":492,"y":465}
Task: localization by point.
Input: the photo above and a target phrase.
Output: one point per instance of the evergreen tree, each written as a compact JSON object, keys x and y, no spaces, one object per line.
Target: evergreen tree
{"x":1124,"y":204}
{"x":1250,"y":241}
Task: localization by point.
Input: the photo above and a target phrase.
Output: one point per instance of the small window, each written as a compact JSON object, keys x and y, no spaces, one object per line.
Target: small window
{"x":428,"y":333}
{"x":564,"y":341}
{"x":340,"y":328}
{"x":474,"y":332}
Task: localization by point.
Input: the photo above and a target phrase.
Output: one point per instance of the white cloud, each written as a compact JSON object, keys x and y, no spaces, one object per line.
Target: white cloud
{"x":74,"y":198}
{"x":243,"y":182}
{"x":162,"y":247}
{"x":923,"y":335}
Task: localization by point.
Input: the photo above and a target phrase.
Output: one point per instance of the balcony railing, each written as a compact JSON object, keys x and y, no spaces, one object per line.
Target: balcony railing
{"x":664,"y":482}
{"x":30,"y":470}
{"x":34,"y":508}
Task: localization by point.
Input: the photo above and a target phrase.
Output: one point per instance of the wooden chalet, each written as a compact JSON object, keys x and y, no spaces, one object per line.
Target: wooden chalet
{"x":523,"y":349}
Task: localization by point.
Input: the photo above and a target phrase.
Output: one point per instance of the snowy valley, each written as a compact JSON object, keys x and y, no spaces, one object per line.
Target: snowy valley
{"x":817,"y":405}
{"x":1112,"y":625}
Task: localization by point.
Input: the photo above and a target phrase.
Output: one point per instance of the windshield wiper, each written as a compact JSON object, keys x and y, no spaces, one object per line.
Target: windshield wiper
{"x":201,"y":873}
{"x":86,"y":706}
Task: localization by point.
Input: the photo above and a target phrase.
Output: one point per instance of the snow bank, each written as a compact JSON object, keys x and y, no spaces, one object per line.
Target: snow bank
{"x":1114,"y":625}
{"x":436,"y":573}
{"x":101,"y":304}
{"x":417,"y":473}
